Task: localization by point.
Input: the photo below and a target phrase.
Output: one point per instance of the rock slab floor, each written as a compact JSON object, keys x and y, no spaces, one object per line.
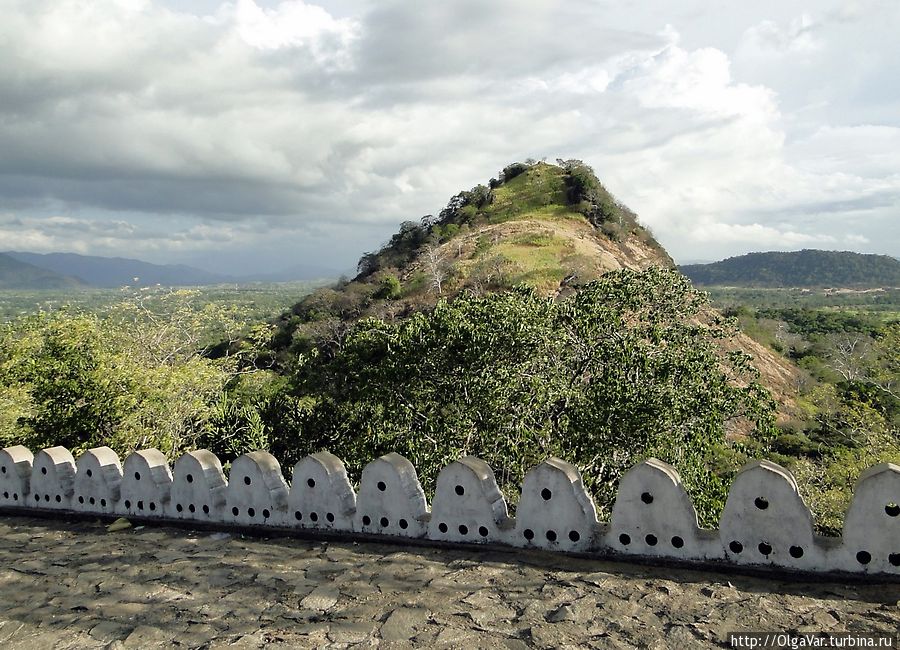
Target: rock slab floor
{"x":74,"y":585}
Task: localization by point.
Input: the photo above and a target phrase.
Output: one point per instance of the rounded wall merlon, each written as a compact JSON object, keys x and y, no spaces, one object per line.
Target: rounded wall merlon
{"x":198,"y":487}
{"x":98,"y":480}
{"x":52,"y":479}
{"x":257,"y":492}
{"x":321,"y":495}
{"x":146,"y":484}
{"x":766,"y":522}
{"x":653,"y":515}
{"x":15,"y":475}
{"x":391,"y":500}
{"x":468,"y":505}
{"x":871,"y":539}
{"x":555,"y":511}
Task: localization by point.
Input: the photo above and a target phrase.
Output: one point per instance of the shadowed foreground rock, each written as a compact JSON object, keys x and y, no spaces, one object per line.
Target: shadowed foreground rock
{"x":73,"y":585}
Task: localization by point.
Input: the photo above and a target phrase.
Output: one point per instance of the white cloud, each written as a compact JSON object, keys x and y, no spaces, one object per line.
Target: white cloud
{"x":286,"y":127}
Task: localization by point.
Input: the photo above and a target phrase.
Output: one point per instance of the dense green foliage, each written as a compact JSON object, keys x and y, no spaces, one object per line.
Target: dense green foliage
{"x":625,"y":369}
{"x":806,"y":268}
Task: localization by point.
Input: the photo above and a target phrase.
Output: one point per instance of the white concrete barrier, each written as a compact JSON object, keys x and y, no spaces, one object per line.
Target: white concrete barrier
{"x":98,"y":481}
{"x":198,"y":487}
{"x":766,"y":522}
{"x":15,"y":476}
{"x":146,"y":484}
{"x":653,"y":515}
{"x":468,"y":506}
{"x":321,"y":495}
{"x":871,"y":539}
{"x":257,"y":492}
{"x":391,"y":500}
{"x":52,"y":479}
{"x":555,"y":511}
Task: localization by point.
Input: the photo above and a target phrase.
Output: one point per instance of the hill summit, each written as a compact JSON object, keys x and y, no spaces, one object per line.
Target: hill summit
{"x":806,"y":268}
{"x":550,"y":227}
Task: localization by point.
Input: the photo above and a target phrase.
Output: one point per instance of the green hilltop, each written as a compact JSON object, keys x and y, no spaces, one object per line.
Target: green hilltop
{"x":806,"y":268}
{"x":548,"y":227}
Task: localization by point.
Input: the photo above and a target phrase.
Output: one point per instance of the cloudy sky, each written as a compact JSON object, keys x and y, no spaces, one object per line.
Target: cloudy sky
{"x":253,"y":135}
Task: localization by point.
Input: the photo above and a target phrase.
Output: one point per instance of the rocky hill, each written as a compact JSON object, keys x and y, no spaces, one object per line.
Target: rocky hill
{"x":806,"y":268}
{"x":550,"y":227}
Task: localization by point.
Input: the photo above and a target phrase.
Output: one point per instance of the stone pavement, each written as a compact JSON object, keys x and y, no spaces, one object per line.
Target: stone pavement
{"x":74,"y":585}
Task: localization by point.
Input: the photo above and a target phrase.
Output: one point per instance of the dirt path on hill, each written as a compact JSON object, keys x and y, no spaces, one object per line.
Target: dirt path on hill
{"x":73,"y":585}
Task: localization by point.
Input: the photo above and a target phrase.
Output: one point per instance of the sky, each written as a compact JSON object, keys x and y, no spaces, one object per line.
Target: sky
{"x":250,"y":136}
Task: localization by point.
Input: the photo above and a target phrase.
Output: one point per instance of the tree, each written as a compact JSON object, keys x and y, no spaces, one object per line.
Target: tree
{"x":627,"y":368}
{"x":435,"y":266}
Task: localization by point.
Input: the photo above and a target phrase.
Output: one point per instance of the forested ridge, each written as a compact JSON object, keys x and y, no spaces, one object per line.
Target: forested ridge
{"x":806,"y":268}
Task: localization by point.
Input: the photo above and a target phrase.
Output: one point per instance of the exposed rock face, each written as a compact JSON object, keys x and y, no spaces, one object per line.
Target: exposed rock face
{"x":74,"y":585}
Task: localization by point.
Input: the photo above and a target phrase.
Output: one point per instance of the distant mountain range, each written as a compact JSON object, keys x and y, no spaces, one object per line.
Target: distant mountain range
{"x":806,"y":268}
{"x":20,"y":270}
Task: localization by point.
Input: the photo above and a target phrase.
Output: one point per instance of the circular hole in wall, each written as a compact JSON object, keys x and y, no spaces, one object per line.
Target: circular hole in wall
{"x":463,"y":530}
{"x":37,"y":497}
{"x":247,"y":480}
{"x":191,"y":508}
{"x":647,"y":498}
{"x":140,"y":505}
{"x":330,"y":517}
{"x":677,"y":542}
{"x":404,"y":524}
{"x":15,"y":496}
{"x":92,"y":501}
{"x":81,"y":499}
{"x":190,"y":478}
{"x":529,"y":534}
{"x":574,"y":535}
{"x":3,"y":469}
{"x":894,"y":559}
{"x":235,"y":511}
{"x":58,"y":498}
{"x":736,"y":547}
{"x":624,"y":539}
{"x":442,"y":527}
{"x":382,"y":486}
{"x":367,"y":520}
{"x":551,"y":535}
{"x":765,"y":549}
{"x":102,"y":503}
{"x":796,"y":552}
{"x":44,"y":471}
{"x":314,"y":516}
{"x":251,"y":512}
{"x":311,"y":482}
{"x":179,"y":507}
{"x":205,"y":510}
{"x":651,"y":540}
{"x":266,"y":513}
{"x":863,"y":557}
{"x":483,"y":531}
{"x":384,"y":522}
{"x":90,"y":472}
{"x":152,"y":506}
{"x":6,"y":495}
{"x":127,"y":503}
{"x":460,"y":490}
{"x":546,"y":494}
{"x":892,"y":510}
{"x":761,"y":503}
{"x":137,"y":476}
{"x":47,"y":498}
{"x":299,"y":515}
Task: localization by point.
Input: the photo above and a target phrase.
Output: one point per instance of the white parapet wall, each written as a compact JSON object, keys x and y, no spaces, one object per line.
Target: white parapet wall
{"x":765,"y":524}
